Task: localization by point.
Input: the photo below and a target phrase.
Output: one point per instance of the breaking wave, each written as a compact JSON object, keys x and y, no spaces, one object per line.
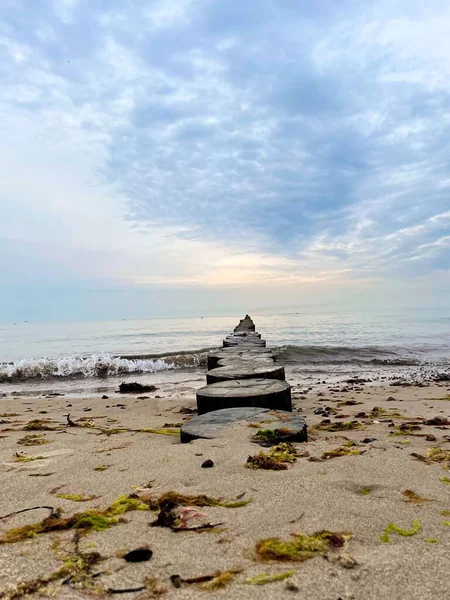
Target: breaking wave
{"x":97,"y":365}
{"x":107,"y":365}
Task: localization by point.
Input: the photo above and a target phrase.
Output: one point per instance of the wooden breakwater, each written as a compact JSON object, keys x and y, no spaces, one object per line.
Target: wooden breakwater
{"x":242,"y":375}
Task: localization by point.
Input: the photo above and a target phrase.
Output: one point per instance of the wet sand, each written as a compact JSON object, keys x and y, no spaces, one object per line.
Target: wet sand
{"x":358,"y":494}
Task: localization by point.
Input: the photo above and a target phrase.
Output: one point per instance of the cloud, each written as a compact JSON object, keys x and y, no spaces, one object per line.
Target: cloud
{"x":195,"y":143}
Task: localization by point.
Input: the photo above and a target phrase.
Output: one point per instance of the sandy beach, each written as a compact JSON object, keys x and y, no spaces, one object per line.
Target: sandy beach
{"x":107,"y":455}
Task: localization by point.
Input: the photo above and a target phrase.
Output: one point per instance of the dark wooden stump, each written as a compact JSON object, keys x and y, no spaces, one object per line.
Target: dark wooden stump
{"x":215,"y":423}
{"x":245,"y":370}
{"x":235,"y":352}
{"x":243,"y":342}
{"x":265,"y":393}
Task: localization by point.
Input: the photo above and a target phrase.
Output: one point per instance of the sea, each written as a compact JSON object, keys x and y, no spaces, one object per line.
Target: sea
{"x":314,"y":343}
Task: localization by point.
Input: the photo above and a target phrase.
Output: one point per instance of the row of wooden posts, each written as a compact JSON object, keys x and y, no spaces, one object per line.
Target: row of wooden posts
{"x":244,"y":373}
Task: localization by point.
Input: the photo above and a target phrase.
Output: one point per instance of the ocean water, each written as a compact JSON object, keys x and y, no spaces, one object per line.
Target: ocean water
{"x":314,"y":340}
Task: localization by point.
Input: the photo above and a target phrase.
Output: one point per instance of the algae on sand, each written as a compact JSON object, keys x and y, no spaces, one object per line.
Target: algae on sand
{"x":38,"y":425}
{"x":392,"y":528}
{"x":338,"y":426}
{"x":23,"y":458}
{"x":410,"y":496}
{"x":341,"y":451}
{"x":300,"y":547}
{"x":90,"y":520}
{"x":264,"y":578}
{"x":275,"y":459}
{"x":37,"y":439}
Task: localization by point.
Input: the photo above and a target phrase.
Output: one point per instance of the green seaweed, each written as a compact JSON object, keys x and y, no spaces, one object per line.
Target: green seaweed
{"x":300,"y":547}
{"x":445,"y":479}
{"x":405,"y":429}
{"x":199,"y":500}
{"x":438,"y":455}
{"x":76,"y":568}
{"x":271,"y":437}
{"x":365,"y":491}
{"x":161,"y":431}
{"x":22,"y":458}
{"x":37,"y":439}
{"x":101,"y":468}
{"x":275,"y":459}
{"x":446,"y":523}
{"x":378,"y":411}
{"x":77,"y":497}
{"x":431,"y":540}
{"x":220,"y":580}
{"x":264,"y":578}
{"x":392,"y":528}
{"x":341,"y":451}
{"x":338,"y":426}
{"x":38,"y":425}
{"x":90,"y":520}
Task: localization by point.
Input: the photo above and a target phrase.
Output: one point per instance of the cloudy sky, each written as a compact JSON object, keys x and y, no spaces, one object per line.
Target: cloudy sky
{"x":191,"y":156}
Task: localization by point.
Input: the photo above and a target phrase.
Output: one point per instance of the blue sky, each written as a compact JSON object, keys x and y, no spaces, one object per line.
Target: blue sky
{"x":182,"y":156}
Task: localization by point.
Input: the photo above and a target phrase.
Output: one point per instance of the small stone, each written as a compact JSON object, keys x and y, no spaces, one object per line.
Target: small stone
{"x":207,"y":464}
{"x":431,"y":438}
{"x":368,"y":440}
{"x":104,"y":397}
{"x":138,"y":555}
{"x":391,"y":399}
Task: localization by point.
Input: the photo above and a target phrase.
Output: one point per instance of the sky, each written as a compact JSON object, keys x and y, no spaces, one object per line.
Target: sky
{"x":170,"y":157}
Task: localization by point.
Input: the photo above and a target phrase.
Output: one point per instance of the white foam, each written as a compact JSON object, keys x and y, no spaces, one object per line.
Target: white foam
{"x":96,"y":365}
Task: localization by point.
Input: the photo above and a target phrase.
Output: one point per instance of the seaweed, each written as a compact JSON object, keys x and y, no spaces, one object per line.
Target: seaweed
{"x":406,"y":429}
{"x":378,"y":411}
{"x":410,"y":496}
{"x":37,"y":439}
{"x":272,"y":437}
{"x":341,"y":451}
{"x":76,"y":570}
{"x":220,"y":580}
{"x":365,"y":491}
{"x":168,"y":516}
{"x":275,"y":459}
{"x":38,"y":425}
{"x":446,"y":523}
{"x":445,"y":479}
{"x":90,"y":520}
{"x":200,"y":500}
{"x":392,"y":528}
{"x":23,"y":458}
{"x":300,"y":547}
{"x":445,"y":513}
{"x":77,"y":497}
{"x":211,"y":582}
{"x":338,"y":426}
{"x":263,"y":578}
{"x":161,"y":431}
{"x":438,"y":455}
{"x":101,"y":468}
{"x":431,"y":540}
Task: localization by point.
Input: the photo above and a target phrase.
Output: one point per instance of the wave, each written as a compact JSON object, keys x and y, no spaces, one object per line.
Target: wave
{"x":104,"y":365}
{"x":96,"y":365}
{"x":348,"y":355}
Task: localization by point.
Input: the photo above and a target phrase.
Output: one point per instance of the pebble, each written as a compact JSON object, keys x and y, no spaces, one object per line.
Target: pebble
{"x":207,"y":464}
